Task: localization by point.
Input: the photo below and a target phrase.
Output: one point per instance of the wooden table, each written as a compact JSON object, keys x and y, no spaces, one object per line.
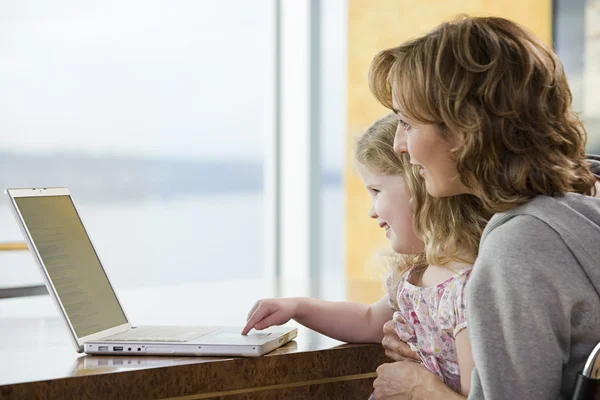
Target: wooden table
{"x":38,"y":361}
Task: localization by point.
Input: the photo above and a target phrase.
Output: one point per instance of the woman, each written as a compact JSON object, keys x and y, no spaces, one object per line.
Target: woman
{"x":484,"y":108}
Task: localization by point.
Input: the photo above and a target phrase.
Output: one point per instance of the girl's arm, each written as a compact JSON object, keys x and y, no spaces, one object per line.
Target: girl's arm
{"x":465,"y":360}
{"x":344,"y":321}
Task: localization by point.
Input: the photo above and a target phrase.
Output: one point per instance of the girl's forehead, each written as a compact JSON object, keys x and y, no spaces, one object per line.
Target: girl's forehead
{"x":373,"y":176}
{"x":368,"y":173}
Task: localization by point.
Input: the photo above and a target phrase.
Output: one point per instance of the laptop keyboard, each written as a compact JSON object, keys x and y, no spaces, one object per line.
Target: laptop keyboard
{"x":160,"y":334}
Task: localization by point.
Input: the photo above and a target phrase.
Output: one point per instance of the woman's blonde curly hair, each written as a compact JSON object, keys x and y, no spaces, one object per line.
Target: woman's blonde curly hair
{"x":450,"y":227}
{"x":505,"y":97}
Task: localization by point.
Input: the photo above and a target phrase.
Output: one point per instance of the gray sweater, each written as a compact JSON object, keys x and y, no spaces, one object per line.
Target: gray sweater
{"x":534,"y":298}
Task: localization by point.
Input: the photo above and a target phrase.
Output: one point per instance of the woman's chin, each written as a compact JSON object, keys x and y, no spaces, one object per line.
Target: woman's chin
{"x":434,"y":190}
{"x":445,"y":190}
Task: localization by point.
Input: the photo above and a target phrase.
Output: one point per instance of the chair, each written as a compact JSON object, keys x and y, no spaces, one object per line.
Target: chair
{"x":587,"y":383}
{"x":20,"y":291}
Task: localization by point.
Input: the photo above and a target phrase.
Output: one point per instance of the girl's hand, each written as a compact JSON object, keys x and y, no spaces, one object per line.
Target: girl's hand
{"x":395,"y":348}
{"x":269,"y":312}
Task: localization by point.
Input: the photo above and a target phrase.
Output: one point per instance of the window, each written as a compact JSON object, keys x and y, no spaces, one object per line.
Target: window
{"x":577,"y":42}
{"x":154,"y":114}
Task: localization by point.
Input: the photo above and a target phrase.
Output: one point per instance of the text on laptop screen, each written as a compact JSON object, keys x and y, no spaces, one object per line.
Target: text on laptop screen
{"x":72,"y":263}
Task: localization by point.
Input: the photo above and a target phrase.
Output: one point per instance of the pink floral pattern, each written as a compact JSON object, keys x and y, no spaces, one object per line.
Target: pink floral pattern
{"x":429,"y":318}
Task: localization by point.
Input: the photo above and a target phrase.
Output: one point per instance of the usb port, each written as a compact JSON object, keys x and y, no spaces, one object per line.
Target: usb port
{"x":118,"y":348}
{"x":102,"y":348}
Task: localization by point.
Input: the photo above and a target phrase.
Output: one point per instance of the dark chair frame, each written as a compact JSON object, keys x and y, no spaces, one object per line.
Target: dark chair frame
{"x":587,"y":382}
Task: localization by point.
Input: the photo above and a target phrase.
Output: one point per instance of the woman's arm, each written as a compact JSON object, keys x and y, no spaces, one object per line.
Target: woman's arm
{"x":345,"y":321}
{"x":520,"y":296}
{"x":395,"y":348}
{"x":410,"y":380}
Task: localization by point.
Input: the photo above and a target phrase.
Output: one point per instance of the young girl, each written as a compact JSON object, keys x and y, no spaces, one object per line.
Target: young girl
{"x":426,"y":287}
{"x":484,"y":108}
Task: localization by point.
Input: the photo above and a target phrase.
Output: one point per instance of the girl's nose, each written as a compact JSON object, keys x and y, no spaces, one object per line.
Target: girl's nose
{"x":372,"y":213}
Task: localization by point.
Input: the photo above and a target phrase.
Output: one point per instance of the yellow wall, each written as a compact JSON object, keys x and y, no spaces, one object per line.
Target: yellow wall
{"x":374,"y":26}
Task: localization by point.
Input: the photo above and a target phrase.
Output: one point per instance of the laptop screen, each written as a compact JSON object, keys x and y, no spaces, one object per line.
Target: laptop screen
{"x":71,"y":263}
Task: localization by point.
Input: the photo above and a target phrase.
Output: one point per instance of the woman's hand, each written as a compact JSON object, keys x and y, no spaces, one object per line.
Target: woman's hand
{"x":410,"y":380}
{"x":269,"y":312}
{"x":395,"y":348}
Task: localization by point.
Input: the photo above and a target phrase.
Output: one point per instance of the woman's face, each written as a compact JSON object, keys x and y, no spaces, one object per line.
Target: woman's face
{"x":390,"y":206}
{"x":431,"y":152}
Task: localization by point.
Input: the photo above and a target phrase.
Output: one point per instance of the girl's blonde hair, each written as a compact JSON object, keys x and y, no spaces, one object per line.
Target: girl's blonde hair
{"x":450,"y":227}
{"x":505,"y":97}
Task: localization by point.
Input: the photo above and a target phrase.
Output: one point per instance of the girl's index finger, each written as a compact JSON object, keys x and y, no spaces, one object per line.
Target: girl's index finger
{"x":252,"y":310}
{"x":255,"y":318}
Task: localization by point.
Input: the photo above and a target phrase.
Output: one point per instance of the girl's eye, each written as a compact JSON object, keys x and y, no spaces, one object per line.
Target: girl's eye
{"x":375,"y":191}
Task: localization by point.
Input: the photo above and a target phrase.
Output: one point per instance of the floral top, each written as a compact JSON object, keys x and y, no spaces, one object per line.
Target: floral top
{"x":429,"y":318}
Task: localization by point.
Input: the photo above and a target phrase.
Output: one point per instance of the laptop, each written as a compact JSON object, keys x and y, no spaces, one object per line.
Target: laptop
{"x":80,"y":288}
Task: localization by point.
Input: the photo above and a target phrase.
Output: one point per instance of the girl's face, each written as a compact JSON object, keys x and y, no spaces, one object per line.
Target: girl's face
{"x":431,"y":152}
{"x":392,"y":210}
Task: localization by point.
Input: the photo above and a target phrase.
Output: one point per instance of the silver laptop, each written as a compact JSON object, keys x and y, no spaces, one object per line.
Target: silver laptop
{"x":83,"y":294}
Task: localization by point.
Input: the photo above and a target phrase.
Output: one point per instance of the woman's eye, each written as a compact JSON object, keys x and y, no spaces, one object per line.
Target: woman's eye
{"x":404,"y":125}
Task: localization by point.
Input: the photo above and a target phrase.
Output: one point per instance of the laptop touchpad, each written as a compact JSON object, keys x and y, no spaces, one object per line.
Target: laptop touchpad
{"x":238,"y":336}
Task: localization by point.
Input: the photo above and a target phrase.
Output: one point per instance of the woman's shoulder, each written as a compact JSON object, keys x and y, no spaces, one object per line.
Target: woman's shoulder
{"x":571,"y":214}
{"x":546,"y":237}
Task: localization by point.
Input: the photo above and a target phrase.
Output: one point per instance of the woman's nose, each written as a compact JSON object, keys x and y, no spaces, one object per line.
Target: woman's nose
{"x":400,"y":145}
